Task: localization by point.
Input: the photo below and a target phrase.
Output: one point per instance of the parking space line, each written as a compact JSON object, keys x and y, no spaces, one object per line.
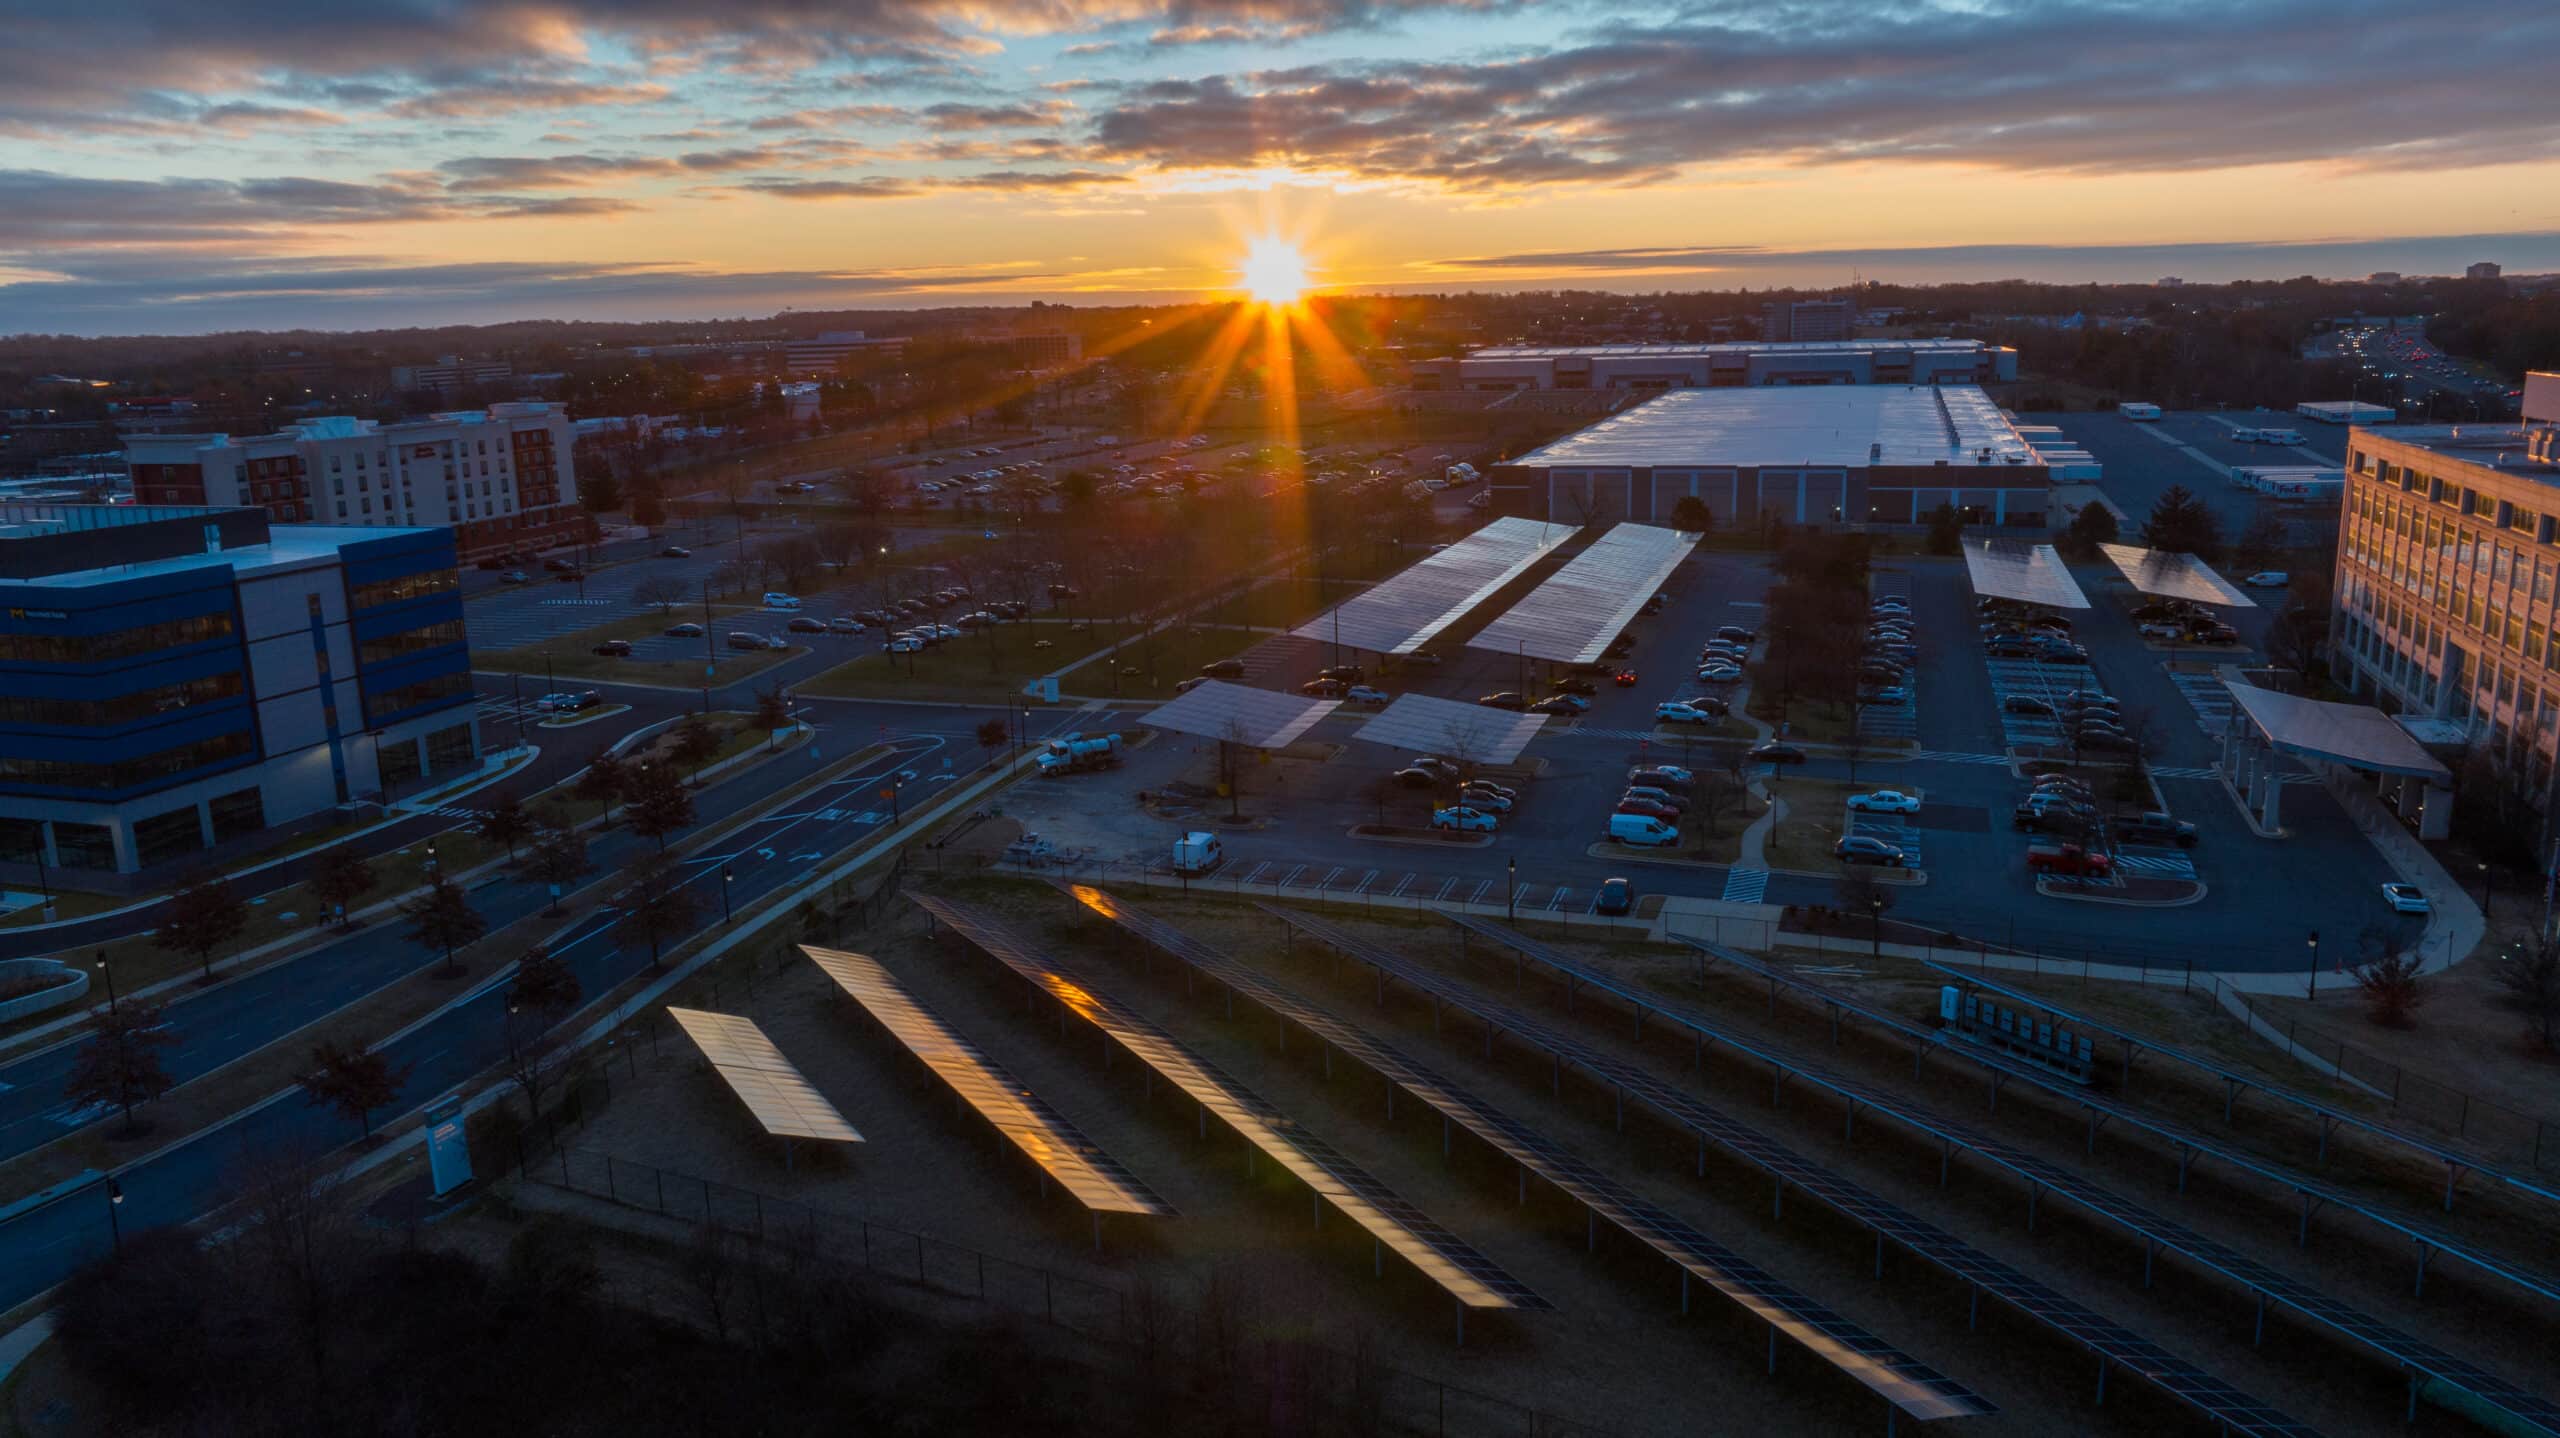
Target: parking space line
{"x":1445,"y":886}
{"x":1401,"y":885}
{"x":1363,"y":886}
{"x":1594,"y":906}
{"x":1327,"y":881}
{"x":1478,"y":895}
{"x":1256,"y":872}
{"x":1557,"y":902}
{"x":1292,"y":876}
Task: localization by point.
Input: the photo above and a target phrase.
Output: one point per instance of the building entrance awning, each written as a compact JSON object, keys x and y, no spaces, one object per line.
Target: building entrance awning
{"x":2356,"y":735}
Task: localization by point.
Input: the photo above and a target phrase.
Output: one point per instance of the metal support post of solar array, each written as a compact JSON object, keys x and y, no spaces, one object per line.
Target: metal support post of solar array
{"x":2420,"y":1362}
{"x":2234,"y":1083}
{"x":1394,"y":1224}
{"x":1401,"y":614}
{"x":1061,"y":1151}
{"x":2112,"y":1343}
{"x":1910,"y":1386}
{"x":2190,"y":1146}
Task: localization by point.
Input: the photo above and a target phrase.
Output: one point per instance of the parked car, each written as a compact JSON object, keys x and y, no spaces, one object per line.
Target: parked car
{"x":895,"y":644}
{"x":776,"y":599}
{"x":2069,"y":859}
{"x":1624,"y":678}
{"x":557,"y":565}
{"x":675,"y":551}
{"x":844,"y":624}
{"x":612,"y":649}
{"x":1677,"y":712}
{"x":1363,"y":694}
{"x":569,"y":701}
{"x":1649,"y":809}
{"x":1183,"y":686}
{"x":1324,"y":688}
{"x":807,"y":624}
{"x":1436,"y":765}
{"x":1560,"y":704}
{"x":1414,"y":778}
{"x":1737,"y":633}
{"x":1885,"y":801}
{"x":2168,"y":633}
{"x":2157,"y":828}
{"x":1868,"y":849}
{"x":1616,"y":896}
{"x":1570,"y":685}
{"x":1223,"y":669}
{"x":2404,"y":898}
{"x":1490,"y":787}
{"x":2025,"y":704}
{"x":516,"y":576}
{"x":1460,"y":818}
{"x":1775,"y":753}
{"x":742,"y":640}
{"x":1669,"y":800}
{"x":683,"y":631}
{"x":1507,"y":699}
{"x":1486,"y":799}
{"x":1347,"y":673}
{"x":1719,"y":674}
{"x":2268,"y":579}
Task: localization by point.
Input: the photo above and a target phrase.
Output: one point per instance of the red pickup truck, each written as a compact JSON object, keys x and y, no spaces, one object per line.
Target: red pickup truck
{"x":2067,"y":859}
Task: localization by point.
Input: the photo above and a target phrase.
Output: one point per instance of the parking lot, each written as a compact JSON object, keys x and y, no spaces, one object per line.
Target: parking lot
{"x":2195,"y":449}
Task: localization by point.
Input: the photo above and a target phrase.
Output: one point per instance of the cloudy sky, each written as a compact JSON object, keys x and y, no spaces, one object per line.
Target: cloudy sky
{"x":181,"y":166}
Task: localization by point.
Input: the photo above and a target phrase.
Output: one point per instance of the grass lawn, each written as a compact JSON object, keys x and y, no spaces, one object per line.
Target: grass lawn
{"x":1150,"y":667}
{"x":959,"y":669}
{"x":1284,"y":603}
{"x":1815,"y":821}
{"x":67,"y":904}
{"x":569,"y":657}
{"x":1810,"y":721}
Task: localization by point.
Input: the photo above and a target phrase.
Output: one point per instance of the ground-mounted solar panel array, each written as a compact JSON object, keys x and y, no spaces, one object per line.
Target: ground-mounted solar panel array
{"x":1911,"y":1386}
{"x":1456,"y":1266}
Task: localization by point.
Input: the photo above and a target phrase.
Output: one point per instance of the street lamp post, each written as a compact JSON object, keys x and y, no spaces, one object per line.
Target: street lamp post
{"x":109,"y":975}
{"x":1511,"y":891}
{"x":115,"y":1226}
{"x":728,"y":876}
{"x":2315,"y":965}
{"x":431,"y":856}
{"x":1875,"y":926}
{"x":2484,"y":891}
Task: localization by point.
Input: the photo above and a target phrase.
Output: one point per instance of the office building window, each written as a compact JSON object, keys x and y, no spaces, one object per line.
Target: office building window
{"x":83,"y":846}
{"x":406,"y":586}
{"x":118,"y":644}
{"x":125,"y":773}
{"x":163,"y":837}
{"x":449,"y":749}
{"x":410,"y":696}
{"x":235,"y":814}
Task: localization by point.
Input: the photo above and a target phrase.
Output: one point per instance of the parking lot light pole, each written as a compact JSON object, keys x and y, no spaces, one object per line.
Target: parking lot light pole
{"x":1511,"y":892}
{"x":727,"y":877}
{"x":115,"y":1226}
{"x":2484,"y":891}
{"x":109,"y":975}
{"x":2315,"y":966}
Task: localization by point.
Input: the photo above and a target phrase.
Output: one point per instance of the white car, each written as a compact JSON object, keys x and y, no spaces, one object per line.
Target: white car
{"x":1461,"y":817}
{"x":903,"y":644}
{"x":1673,"y":771}
{"x":2268,"y":579}
{"x":1720,"y":674}
{"x":1363,"y":694}
{"x":2404,"y":899}
{"x":1885,"y":801}
{"x":1676,"y":712}
{"x":1485,"y":799}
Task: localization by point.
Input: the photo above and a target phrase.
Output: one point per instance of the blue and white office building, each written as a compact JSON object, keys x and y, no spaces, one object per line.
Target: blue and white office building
{"x":176,"y":680}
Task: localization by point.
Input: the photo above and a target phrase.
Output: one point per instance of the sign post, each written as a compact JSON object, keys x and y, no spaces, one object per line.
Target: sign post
{"x":448,"y":1152}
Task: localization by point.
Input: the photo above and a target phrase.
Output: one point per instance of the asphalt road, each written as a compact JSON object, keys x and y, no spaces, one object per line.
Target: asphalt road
{"x":778,"y":850}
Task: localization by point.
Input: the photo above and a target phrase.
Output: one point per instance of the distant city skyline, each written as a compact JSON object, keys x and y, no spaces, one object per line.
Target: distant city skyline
{"x":177,"y":168}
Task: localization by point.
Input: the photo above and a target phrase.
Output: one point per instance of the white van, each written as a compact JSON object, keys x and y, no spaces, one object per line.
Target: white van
{"x":2131,"y":410}
{"x":1197,"y":853}
{"x":2280,"y":436}
{"x":1643,"y":831}
{"x":776,"y":600}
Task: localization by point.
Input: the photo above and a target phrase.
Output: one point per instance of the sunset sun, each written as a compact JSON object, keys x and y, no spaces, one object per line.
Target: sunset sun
{"x":1274,"y":272}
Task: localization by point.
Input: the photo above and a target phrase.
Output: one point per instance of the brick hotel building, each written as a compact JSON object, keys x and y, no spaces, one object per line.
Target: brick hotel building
{"x":502,"y":479}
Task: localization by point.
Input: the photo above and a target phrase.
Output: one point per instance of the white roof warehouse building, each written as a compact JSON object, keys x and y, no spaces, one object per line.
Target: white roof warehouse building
{"x":1822,"y":455}
{"x":1724,"y":364}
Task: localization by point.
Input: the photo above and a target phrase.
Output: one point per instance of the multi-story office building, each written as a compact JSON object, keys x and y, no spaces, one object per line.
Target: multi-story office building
{"x":450,"y":373}
{"x":503,"y":479}
{"x":177,"y":679}
{"x":2448,"y":559}
{"x":1806,"y":320}
{"x":823,"y":354}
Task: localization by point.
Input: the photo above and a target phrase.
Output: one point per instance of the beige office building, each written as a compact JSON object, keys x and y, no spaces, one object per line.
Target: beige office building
{"x":2448,"y":560}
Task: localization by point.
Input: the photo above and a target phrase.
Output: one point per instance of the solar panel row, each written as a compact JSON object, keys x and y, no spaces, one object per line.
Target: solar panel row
{"x":1903,"y":1380}
{"x":2195,"y":1144}
{"x":2016,"y":569}
{"x":1474,"y":1280}
{"x":2111,"y":1341}
{"x":1089,"y":1174}
{"x":1401,"y":614}
{"x":1571,"y":618}
{"x":784,"y":1102}
{"x":2421,"y":1359}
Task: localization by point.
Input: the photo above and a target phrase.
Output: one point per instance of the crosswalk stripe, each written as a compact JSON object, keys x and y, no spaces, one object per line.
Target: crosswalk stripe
{"x":1745,"y":886}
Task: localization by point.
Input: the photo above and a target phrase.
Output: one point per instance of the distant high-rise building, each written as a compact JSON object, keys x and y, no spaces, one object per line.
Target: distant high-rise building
{"x":2485,"y":270}
{"x":1818,"y":321}
{"x":502,"y":478}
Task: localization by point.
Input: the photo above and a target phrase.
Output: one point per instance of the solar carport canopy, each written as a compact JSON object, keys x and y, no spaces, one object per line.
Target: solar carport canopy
{"x":1401,"y":614}
{"x":762,"y":1078}
{"x":2356,"y":735}
{"x":1571,"y":618}
{"x":1241,"y":714}
{"x":1470,"y":732}
{"x":2029,"y":573}
{"x":2172,"y":575}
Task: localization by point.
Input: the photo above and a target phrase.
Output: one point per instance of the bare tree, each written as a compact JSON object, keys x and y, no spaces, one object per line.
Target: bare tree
{"x":2528,"y":973}
{"x":663,"y":590}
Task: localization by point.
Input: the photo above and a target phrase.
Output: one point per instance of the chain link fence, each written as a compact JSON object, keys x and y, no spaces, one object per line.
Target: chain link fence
{"x":1295,"y":1387}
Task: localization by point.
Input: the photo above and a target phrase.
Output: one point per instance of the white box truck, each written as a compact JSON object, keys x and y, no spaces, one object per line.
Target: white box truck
{"x":2139,"y":411}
